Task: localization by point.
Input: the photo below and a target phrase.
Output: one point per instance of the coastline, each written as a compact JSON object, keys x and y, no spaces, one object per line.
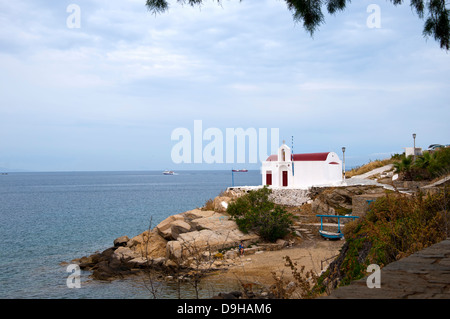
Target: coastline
{"x":203,"y":242}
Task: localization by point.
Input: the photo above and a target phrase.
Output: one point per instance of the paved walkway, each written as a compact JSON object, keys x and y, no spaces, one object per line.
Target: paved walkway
{"x":374,"y":172}
{"x":424,"y":274}
{"x":439,"y":182}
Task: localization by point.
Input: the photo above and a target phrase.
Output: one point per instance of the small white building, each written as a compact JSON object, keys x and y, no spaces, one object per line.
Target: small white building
{"x":411,"y":151}
{"x":301,"y":170}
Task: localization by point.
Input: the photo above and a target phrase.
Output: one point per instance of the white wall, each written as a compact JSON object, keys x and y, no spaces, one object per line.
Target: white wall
{"x":409,"y":151}
{"x":306,"y":173}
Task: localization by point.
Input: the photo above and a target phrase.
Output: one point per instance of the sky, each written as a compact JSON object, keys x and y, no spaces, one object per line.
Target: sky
{"x":104,"y":86}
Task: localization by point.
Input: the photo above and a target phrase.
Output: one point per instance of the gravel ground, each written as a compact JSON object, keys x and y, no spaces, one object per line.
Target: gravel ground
{"x":257,"y":268}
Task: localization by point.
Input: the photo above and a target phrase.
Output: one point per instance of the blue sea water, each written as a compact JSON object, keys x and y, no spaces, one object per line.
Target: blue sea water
{"x":50,"y":218}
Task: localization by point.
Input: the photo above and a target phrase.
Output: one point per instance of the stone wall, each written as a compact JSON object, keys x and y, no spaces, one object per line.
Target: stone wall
{"x":413,"y":185}
{"x":280,"y":196}
{"x":361,"y":203}
{"x":290,"y":197}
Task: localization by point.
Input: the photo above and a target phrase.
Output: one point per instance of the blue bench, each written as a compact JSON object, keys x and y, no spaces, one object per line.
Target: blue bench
{"x":333,"y":235}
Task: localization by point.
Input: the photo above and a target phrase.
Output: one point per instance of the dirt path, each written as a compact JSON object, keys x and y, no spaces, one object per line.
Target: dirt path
{"x":257,"y":268}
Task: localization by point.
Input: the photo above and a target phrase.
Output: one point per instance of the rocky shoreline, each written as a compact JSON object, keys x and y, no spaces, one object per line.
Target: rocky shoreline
{"x":202,"y":240}
{"x":199,"y":239}
{"x":192,"y":244}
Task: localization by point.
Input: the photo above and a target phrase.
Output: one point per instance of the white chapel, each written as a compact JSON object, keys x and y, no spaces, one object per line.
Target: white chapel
{"x":301,"y":170}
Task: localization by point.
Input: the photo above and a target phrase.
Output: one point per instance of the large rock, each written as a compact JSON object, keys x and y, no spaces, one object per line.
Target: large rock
{"x":221,"y":203}
{"x":148,"y":244}
{"x":195,"y":243}
{"x":339,"y":200}
{"x":191,"y":234}
{"x":214,"y":221}
{"x":174,"y":250}
{"x":197,"y":213}
{"x":124,"y":254}
{"x":164,"y":227}
{"x":201,"y":231}
{"x":121,"y":241}
{"x":179,"y":227}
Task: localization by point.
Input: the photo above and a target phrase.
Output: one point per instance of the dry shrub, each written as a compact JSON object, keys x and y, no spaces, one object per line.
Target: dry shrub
{"x":300,"y":287}
{"x":395,"y":227}
{"x":209,"y":205}
{"x":368,"y":167}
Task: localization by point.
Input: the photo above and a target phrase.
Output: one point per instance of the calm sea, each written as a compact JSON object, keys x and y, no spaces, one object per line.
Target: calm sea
{"x":50,"y":218}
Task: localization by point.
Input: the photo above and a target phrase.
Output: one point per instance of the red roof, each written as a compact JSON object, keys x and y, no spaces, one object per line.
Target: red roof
{"x":303,"y":157}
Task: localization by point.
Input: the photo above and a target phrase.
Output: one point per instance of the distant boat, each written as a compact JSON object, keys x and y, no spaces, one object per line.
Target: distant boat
{"x":240,"y":170}
{"x":168,"y":173}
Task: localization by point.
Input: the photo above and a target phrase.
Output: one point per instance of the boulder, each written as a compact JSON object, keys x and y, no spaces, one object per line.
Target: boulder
{"x":149,"y":244}
{"x":332,"y":200}
{"x":104,"y":272}
{"x":221,"y":203}
{"x":196,"y":242}
{"x":85,"y":262}
{"x":174,"y":250}
{"x":215,"y":221}
{"x":121,"y":241}
{"x":322,"y":206}
{"x":137,"y":240}
{"x":197,"y":213}
{"x":164,"y":227}
{"x":124,"y":254}
{"x":139,"y":262}
{"x":178,"y":227}
{"x":282,"y":243}
{"x":172,"y":243}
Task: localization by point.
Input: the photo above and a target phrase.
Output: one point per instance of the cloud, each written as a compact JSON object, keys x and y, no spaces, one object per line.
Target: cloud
{"x":325,"y":86}
{"x":127,"y":74}
{"x":245,"y":87}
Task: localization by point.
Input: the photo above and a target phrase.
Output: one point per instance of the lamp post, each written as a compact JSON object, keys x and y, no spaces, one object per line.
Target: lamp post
{"x":343,"y":157}
{"x":414,"y":151}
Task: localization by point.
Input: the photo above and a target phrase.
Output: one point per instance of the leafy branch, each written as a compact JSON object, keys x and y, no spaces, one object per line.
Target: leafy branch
{"x":310,"y":13}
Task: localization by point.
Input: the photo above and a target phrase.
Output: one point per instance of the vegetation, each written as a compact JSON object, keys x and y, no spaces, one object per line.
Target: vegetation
{"x":309,"y":12}
{"x":301,"y":286}
{"x":427,"y":166}
{"x":209,"y":205}
{"x":255,"y":212}
{"x":395,"y":227}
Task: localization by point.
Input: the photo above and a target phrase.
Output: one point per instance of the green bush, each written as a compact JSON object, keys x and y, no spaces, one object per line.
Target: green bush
{"x":255,"y":212}
{"x":440,"y":163}
{"x":427,"y":166}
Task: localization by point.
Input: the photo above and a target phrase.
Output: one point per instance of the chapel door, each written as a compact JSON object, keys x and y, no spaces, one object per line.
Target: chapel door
{"x":269,"y":178}
{"x":285,"y":178}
